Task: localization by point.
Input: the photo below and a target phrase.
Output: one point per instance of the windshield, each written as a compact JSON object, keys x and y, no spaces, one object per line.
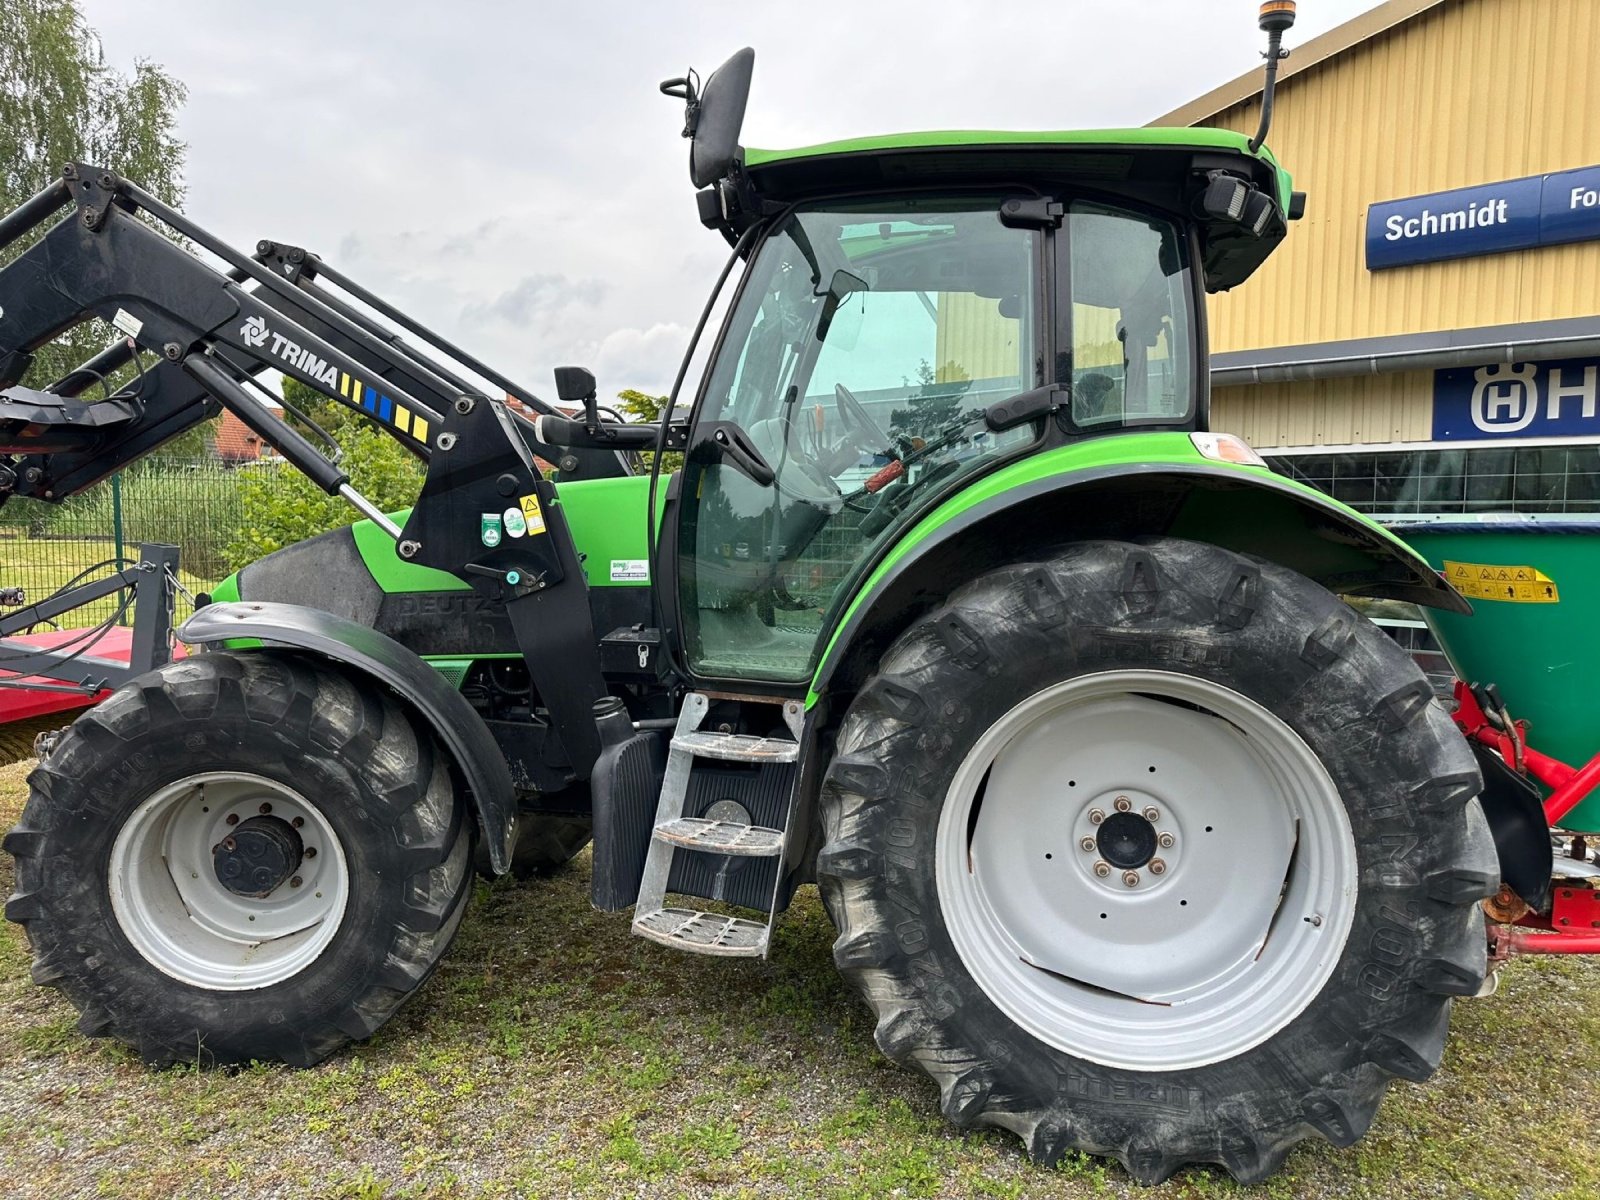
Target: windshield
{"x":858,"y":361}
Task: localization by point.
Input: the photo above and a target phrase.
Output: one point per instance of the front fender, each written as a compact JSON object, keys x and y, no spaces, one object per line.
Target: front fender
{"x":1123,"y":487}
{"x":416,"y":684}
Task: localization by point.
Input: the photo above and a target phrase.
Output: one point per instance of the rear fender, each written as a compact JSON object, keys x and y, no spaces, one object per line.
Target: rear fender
{"x":415,"y":684}
{"x":1246,"y":509}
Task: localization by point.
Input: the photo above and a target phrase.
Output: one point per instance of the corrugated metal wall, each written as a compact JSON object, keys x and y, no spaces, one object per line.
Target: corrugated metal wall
{"x":1329,"y":412}
{"x":973,"y":341}
{"x":1470,"y":92}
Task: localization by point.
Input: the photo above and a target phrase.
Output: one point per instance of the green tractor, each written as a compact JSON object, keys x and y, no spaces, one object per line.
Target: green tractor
{"x":1139,"y":840}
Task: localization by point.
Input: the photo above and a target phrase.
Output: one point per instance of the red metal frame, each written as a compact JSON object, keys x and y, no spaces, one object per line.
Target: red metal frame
{"x":1569,"y":785}
{"x":1573,"y":926}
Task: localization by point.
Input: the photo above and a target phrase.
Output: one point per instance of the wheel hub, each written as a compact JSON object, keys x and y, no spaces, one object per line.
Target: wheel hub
{"x":1126,"y":840}
{"x":258,"y":857}
{"x":1129,"y":839}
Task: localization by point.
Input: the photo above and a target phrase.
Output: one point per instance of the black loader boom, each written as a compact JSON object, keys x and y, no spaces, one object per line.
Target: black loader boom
{"x":199,"y":339}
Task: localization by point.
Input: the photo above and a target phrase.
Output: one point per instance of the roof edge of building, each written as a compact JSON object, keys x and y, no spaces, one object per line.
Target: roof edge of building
{"x":1530,"y":340}
{"x":1302,"y":58}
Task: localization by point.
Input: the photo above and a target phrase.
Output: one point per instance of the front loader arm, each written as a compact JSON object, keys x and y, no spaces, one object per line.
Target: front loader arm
{"x":181,"y":321}
{"x":108,"y":263}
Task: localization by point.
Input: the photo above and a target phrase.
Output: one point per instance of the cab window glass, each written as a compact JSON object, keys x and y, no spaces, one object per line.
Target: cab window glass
{"x":1131,"y":354}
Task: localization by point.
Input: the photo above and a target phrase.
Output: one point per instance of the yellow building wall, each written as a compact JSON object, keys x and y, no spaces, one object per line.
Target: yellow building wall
{"x":1360,"y":410}
{"x":1470,"y":92}
{"x":973,"y":341}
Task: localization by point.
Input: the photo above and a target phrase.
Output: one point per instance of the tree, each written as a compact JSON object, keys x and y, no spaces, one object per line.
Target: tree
{"x":281,"y":506}
{"x":61,"y":102}
{"x":645,"y":408}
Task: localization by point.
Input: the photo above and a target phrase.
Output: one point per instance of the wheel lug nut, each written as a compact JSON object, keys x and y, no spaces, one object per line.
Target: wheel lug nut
{"x":233,"y":818}
{"x":1096,"y":816}
{"x":1152,"y":813}
{"x":297,"y":822}
{"x":264,"y":809}
{"x":1123,"y":804}
{"x":1087,"y":844}
{"x":1131,"y":878}
{"x":1167,"y":841}
{"x":1156,"y":866}
{"x":295,"y":882}
{"x":310,"y":852}
{"x":1102,"y":869}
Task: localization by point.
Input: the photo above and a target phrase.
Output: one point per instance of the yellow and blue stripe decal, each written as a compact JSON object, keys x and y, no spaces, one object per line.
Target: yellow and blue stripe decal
{"x":375,"y":402}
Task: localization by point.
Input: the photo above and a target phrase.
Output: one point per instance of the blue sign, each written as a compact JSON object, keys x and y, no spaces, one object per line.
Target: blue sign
{"x":1571,"y":211}
{"x":1523,"y":400}
{"x":1541,"y":210}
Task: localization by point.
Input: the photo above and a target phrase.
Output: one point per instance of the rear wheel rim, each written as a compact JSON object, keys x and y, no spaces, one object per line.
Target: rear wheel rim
{"x":1151,"y":919}
{"x":180,"y":916}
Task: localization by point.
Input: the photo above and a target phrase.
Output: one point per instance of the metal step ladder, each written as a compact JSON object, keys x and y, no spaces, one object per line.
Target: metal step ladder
{"x":692,"y":929}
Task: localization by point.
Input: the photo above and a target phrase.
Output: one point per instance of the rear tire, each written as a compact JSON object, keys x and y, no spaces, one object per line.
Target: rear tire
{"x":1232,"y":699}
{"x":133,"y":919}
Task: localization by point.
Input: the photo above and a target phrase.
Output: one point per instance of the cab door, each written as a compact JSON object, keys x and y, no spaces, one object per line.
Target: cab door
{"x":848,"y":388}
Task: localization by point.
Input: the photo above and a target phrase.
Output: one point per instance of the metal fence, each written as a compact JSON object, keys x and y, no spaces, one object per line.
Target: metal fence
{"x":194,"y":501}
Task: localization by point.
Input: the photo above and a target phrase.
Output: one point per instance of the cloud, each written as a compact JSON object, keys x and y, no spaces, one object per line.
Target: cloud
{"x":534,"y":297}
{"x":646,"y":359}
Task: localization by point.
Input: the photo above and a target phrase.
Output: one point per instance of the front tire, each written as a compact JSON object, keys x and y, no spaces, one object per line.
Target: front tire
{"x":240,"y":857}
{"x":1156,"y":852}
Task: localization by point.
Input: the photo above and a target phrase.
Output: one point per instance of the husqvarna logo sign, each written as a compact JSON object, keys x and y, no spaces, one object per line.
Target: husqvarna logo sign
{"x":1506,"y":398}
{"x":1532,"y":399}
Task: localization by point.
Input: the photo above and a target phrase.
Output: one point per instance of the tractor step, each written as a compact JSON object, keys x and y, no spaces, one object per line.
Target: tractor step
{"x":704,"y":932}
{"x":696,"y":930}
{"x":735,"y":747}
{"x":721,"y":837}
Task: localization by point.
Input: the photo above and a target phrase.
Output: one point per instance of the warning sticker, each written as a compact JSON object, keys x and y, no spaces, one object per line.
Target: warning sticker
{"x":630,"y":570}
{"x":1516,"y":585}
{"x":531,"y":513}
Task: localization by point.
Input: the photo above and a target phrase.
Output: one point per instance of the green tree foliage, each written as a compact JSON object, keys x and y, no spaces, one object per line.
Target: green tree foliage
{"x":281,"y":506}
{"x":641,"y":406}
{"x":61,"y":102}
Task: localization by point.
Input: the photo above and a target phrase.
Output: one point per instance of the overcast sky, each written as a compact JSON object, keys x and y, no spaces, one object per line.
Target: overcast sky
{"x":508,"y":173}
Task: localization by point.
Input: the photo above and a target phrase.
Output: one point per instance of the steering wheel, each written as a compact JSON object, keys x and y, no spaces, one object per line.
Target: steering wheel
{"x":862,"y":431}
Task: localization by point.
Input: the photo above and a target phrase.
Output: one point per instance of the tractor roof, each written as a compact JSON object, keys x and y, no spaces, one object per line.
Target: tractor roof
{"x":1114,"y":159}
{"x":1167,"y":169}
{"x":1149,"y":167}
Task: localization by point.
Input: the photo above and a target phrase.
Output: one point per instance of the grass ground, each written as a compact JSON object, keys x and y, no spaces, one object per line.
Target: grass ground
{"x":41,"y":565}
{"x":553,"y":1055}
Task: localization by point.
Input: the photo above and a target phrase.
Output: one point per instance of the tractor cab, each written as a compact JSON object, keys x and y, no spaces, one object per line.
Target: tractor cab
{"x":916,"y":312}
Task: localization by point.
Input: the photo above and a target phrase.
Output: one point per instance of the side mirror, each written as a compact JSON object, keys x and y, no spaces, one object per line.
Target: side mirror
{"x":713,"y":116}
{"x":575,"y":385}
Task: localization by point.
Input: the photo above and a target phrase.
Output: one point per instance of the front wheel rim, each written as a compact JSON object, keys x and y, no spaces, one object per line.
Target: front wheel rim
{"x":182,"y":918}
{"x":1146,"y":869}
